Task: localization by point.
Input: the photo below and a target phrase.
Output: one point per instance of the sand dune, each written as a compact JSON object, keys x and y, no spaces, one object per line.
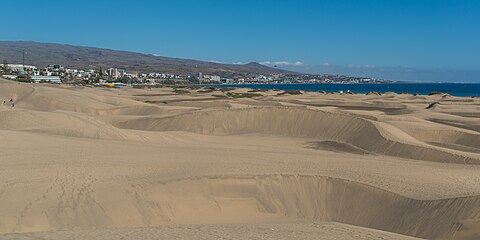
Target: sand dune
{"x":93,"y":163}
{"x":297,"y":122}
{"x":306,"y":197}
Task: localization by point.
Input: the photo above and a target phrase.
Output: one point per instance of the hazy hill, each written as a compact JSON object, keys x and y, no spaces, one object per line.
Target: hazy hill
{"x":43,"y":54}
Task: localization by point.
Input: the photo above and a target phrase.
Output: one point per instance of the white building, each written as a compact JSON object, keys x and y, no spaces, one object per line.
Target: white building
{"x":50,"y":79}
{"x":215,"y":78}
{"x":121,"y":72}
{"x":18,"y":67}
{"x":113,"y":73}
{"x":54,"y":67}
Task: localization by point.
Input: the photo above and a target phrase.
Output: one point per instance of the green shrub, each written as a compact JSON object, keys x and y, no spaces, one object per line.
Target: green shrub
{"x":291,"y":92}
{"x":206,"y":90}
{"x":243,"y":95}
{"x":181,"y":91}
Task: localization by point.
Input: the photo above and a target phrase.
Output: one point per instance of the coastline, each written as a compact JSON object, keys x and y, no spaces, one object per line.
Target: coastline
{"x":454,"y":89}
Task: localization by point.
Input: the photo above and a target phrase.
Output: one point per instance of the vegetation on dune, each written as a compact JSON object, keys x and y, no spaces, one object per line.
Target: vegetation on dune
{"x":181,"y":91}
{"x":291,"y":92}
{"x":432,"y":105}
{"x":435,"y":93}
{"x":23,"y":78}
{"x":243,"y":95}
{"x":206,"y":90}
{"x":226,"y":89}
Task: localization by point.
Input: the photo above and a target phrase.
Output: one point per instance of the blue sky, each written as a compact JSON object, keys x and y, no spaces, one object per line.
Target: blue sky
{"x":306,"y":35}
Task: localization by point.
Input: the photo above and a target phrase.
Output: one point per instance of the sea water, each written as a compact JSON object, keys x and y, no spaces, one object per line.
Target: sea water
{"x":455,"y":89}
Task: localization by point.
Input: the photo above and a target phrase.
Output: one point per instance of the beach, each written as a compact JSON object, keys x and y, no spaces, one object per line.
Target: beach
{"x":83,"y":162}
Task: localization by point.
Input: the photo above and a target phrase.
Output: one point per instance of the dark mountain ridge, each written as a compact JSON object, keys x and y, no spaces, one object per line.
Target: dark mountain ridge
{"x":79,"y":57}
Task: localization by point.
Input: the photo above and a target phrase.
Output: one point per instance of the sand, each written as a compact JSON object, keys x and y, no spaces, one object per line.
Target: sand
{"x":96,"y":163}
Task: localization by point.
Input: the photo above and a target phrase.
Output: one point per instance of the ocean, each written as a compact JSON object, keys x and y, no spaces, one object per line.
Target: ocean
{"x":455,"y":89}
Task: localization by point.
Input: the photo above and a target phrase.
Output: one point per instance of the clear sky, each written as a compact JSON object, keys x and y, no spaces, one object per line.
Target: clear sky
{"x":439,"y":35}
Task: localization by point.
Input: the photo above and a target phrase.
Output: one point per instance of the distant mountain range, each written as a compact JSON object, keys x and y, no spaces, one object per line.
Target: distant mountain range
{"x":43,"y":54}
